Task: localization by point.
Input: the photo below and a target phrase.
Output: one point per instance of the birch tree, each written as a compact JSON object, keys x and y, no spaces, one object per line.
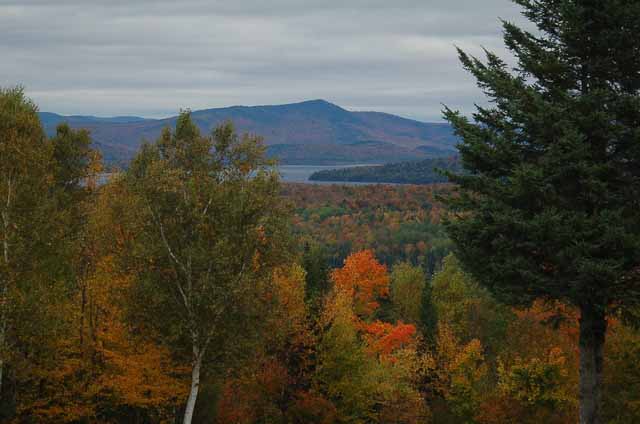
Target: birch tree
{"x":214,"y":227}
{"x":24,"y":155}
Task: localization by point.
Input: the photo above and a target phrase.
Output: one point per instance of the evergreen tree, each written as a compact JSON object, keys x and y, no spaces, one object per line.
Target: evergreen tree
{"x":550,"y":208}
{"x":315,"y":262}
{"x":406,"y":291}
{"x":428,"y":315}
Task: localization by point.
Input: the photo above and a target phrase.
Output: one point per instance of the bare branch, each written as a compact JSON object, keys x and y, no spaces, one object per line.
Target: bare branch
{"x":185,"y":298}
{"x":206,"y":208}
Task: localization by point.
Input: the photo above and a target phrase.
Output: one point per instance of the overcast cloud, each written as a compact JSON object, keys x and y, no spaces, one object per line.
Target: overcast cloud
{"x":150,"y":58}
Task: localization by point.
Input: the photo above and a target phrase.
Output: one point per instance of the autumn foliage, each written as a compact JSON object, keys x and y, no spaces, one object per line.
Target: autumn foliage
{"x":384,"y":338}
{"x":353,"y":360}
{"x":319,"y":331}
{"x":363,"y":278}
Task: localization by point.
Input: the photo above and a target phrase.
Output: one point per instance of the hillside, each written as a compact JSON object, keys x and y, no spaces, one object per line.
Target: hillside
{"x":416,"y":172}
{"x":314,"y":131}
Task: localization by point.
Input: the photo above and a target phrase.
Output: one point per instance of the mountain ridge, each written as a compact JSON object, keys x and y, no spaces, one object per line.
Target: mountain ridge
{"x":312,"y":131}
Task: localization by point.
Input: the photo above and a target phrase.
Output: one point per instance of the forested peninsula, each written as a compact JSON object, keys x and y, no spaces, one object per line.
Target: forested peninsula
{"x":427,"y":171}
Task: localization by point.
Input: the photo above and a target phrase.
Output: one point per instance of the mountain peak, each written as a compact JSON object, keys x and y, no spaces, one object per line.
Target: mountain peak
{"x":318,"y":103}
{"x":319,"y":107}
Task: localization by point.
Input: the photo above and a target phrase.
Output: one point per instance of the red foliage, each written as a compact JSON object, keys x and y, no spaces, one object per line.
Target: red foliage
{"x":384,"y":338}
{"x":312,"y":408}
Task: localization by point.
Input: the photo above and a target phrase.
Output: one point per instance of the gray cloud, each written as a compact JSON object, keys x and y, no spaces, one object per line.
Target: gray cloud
{"x":151,"y":58}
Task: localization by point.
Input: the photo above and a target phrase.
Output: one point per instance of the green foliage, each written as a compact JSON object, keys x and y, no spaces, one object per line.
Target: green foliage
{"x":345,"y":371}
{"x":407,"y":287}
{"x":71,"y":154}
{"x":41,"y":223}
{"x":550,"y":206}
{"x":428,"y":315}
{"x":25,"y":205}
{"x":214,"y":230}
{"x":30,"y":266}
{"x":330,"y":211}
{"x":537,"y":383}
{"x":212,"y":210}
{"x":469,"y":310}
{"x":315,"y":262}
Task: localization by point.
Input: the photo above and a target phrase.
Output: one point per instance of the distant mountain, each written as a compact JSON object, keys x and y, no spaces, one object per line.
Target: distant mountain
{"x":314,"y":131}
{"x":49,"y":118}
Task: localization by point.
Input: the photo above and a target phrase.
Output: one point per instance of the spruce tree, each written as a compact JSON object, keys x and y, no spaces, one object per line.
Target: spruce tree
{"x":550,"y":207}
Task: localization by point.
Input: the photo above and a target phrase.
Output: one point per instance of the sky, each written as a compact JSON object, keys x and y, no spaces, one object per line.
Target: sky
{"x":151,"y":58}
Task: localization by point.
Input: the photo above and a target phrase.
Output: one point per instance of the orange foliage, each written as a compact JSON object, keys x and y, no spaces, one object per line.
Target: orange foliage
{"x":103,"y":367}
{"x":552,"y":321}
{"x":384,"y":218}
{"x":365,"y":279}
{"x":137,"y":372}
{"x":384,"y":338}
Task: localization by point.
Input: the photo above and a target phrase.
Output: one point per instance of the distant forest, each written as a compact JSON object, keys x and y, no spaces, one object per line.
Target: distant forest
{"x":426,"y":171}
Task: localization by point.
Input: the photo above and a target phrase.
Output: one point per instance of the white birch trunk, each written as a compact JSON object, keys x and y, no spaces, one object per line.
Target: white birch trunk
{"x":195,"y":385}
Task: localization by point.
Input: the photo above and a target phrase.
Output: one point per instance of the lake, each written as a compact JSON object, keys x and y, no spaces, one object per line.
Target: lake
{"x":291,"y":174}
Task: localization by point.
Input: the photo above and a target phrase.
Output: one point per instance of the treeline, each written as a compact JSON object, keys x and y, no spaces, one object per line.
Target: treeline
{"x":400,"y":223}
{"x":427,"y":171}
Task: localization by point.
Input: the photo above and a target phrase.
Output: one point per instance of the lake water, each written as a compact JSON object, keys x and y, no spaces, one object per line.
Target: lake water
{"x":290,"y":174}
{"x":301,"y":173}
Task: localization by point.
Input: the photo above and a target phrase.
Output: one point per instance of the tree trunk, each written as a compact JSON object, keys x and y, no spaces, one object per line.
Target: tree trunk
{"x":593,"y":326}
{"x":82,"y":309}
{"x":195,"y":385}
{"x":3,"y":327}
{"x":4,"y":291}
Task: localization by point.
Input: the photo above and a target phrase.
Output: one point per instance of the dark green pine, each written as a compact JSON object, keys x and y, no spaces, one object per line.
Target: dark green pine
{"x":551,"y":205}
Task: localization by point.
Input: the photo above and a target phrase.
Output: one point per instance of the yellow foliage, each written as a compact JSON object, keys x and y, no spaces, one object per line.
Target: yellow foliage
{"x":98,"y":364}
{"x":537,"y":380}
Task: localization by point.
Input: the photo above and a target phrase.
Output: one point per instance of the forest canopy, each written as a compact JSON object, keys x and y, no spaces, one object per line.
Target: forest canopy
{"x":197,"y":287}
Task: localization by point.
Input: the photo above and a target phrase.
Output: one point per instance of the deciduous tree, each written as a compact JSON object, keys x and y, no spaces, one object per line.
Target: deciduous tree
{"x":215,"y":226}
{"x":365,"y":279}
{"x":25,"y":206}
